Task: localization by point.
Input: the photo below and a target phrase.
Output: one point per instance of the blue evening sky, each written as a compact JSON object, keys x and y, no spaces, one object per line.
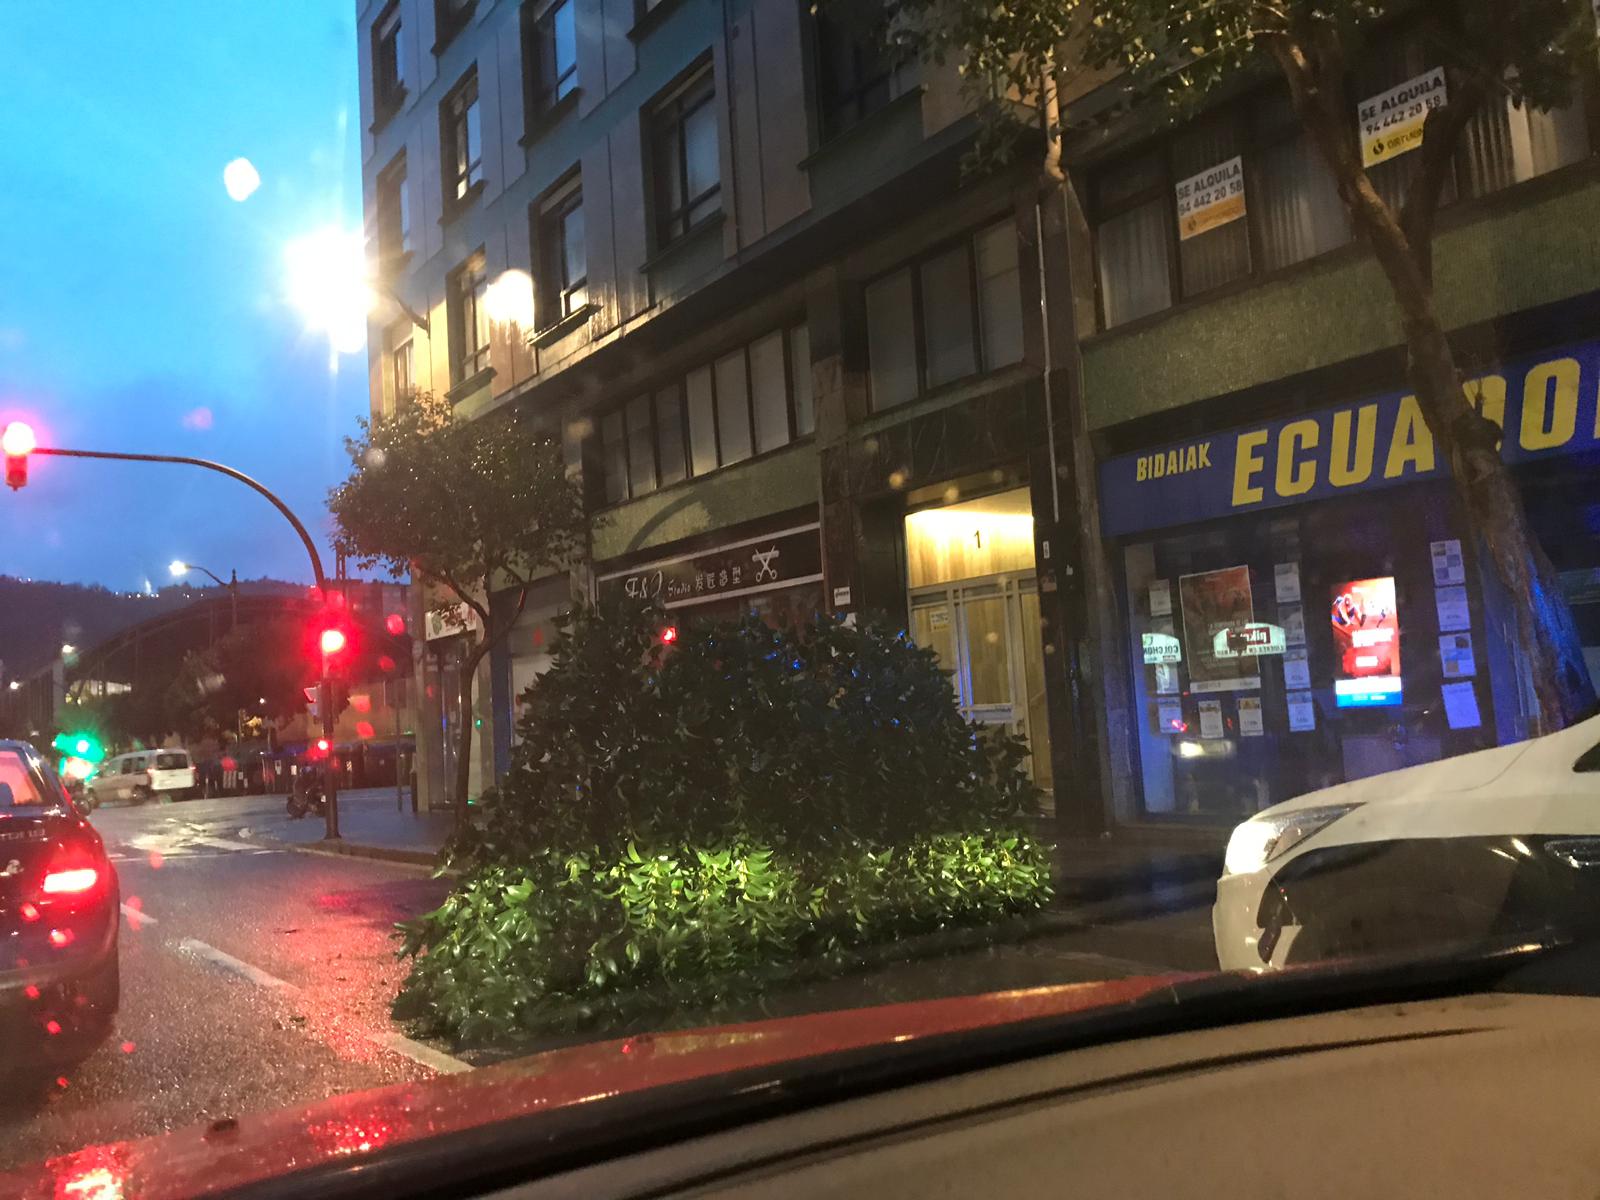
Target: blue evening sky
{"x":143,"y":309}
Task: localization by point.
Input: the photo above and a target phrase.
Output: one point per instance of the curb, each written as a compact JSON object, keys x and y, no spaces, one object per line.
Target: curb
{"x":344,"y":849}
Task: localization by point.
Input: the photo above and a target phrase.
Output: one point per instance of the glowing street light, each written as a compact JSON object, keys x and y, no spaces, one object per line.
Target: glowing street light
{"x":327,"y":280}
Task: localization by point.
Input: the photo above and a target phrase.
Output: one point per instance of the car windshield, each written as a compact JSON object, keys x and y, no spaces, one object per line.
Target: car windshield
{"x":533,"y":525}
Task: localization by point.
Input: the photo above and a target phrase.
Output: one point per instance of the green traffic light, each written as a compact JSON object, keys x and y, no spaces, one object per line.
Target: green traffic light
{"x":80,"y":745}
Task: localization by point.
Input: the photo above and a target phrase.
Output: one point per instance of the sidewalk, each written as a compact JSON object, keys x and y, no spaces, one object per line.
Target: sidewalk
{"x":370,"y":826}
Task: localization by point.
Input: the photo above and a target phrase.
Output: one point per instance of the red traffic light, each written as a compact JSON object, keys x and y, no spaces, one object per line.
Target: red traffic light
{"x":333,"y":641}
{"x":17,"y":442}
{"x":669,"y":635}
{"x":322,"y":745}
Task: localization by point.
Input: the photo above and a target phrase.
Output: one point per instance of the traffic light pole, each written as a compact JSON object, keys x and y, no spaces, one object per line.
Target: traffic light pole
{"x":325,"y":690}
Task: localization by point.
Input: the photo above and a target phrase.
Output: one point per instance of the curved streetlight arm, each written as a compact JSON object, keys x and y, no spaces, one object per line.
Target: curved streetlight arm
{"x":212,"y":575}
{"x":305,"y":538}
{"x":325,"y":691}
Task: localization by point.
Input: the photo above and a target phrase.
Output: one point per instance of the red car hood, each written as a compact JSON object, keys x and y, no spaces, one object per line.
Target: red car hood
{"x":353,"y":1129}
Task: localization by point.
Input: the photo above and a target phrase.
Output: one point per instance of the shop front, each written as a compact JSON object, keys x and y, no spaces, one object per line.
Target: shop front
{"x":775,"y":573}
{"x":1302,"y":601}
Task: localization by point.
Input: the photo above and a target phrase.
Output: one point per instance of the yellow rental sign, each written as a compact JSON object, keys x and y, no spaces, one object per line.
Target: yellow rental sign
{"x":1391,"y":122}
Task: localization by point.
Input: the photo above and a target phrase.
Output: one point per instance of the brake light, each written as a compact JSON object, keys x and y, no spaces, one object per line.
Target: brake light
{"x":70,"y":882}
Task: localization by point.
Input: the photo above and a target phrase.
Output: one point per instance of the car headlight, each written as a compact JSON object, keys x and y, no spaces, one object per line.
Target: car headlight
{"x":1261,"y":839}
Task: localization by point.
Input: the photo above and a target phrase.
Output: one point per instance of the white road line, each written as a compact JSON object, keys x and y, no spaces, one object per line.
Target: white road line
{"x":433,"y":1059}
{"x":230,"y":844}
{"x":417,"y":1052}
{"x":137,"y":917}
{"x":229,"y":963}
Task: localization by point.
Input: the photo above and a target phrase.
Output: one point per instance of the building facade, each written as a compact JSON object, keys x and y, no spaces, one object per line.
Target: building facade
{"x":803,"y":363}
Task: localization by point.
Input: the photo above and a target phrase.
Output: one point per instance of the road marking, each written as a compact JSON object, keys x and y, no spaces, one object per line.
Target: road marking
{"x":417,"y":1052}
{"x":236,"y":965}
{"x":427,"y":1056}
{"x":137,"y":917}
{"x":230,"y":844}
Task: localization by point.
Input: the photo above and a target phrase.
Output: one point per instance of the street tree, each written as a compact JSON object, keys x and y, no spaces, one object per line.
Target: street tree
{"x":258,"y":670}
{"x":468,"y":508}
{"x":1015,"y":57}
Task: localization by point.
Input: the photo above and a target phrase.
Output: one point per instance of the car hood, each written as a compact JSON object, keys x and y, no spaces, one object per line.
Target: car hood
{"x":1540,"y":764}
{"x":352,"y":1131}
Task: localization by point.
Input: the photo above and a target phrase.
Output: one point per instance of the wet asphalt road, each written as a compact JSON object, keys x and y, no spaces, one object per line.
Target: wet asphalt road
{"x":254,"y":978}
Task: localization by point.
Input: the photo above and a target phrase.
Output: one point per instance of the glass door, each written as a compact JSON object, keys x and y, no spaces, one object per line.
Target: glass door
{"x":987,"y":637}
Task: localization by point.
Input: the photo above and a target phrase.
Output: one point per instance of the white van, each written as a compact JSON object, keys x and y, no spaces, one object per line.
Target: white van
{"x":142,"y":775}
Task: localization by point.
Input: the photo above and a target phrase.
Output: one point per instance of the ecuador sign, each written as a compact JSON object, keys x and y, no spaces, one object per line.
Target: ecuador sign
{"x":1545,"y":405}
{"x":1391,"y":122}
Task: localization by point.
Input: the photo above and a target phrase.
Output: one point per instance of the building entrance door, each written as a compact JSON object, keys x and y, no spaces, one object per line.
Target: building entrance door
{"x":974,"y":600}
{"x":986,"y":634}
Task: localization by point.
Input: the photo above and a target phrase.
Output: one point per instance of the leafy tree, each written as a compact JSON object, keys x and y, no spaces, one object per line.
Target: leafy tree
{"x":467,"y":507}
{"x":270,"y":661}
{"x":1182,"y":51}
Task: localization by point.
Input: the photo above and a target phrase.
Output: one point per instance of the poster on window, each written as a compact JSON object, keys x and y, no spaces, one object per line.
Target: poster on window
{"x":1210,"y":198}
{"x":1366,"y":634}
{"x":1214,"y":602}
{"x":1391,"y":121}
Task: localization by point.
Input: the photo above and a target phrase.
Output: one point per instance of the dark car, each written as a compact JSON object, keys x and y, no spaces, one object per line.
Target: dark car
{"x":59,"y":983}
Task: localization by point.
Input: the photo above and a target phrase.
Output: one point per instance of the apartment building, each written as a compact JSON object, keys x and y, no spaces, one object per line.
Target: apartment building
{"x":802,"y":362}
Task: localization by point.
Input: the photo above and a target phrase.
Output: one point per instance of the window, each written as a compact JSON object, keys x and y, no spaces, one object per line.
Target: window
{"x":948,"y":332}
{"x":1292,"y":210}
{"x":394,"y":214}
{"x":469,"y":322}
{"x":401,"y":367}
{"x":747,"y":402}
{"x":1000,"y":294}
{"x":614,"y":448}
{"x":641,"y":447}
{"x":957,"y":312}
{"x":450,"y":17}
{"x":1220,"y":254}
{"x":563,"y":272}
{"x":1292,"y":197}
{"x":853,"y":72}
{"x":805,"y":409}
{"x":684,"y":159}
{"x":389,"y":54}
{"x":1132,"y":240}
{"x":461,"y":140}
{"x":550,"y":54}
{"x":669,"y":434}
{"x":769,"y":392}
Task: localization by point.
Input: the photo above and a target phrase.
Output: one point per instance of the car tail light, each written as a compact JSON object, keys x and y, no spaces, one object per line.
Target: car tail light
{"x":70,"y":882}
{"x":73,"y":871}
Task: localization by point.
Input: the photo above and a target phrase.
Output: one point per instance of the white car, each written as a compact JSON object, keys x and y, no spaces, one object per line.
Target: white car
{"x":1493,"y":843}
{"x":144,"y":775}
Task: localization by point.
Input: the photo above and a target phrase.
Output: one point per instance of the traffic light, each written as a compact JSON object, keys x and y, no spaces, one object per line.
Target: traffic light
{"x":669,"y":635}
{"x":82,"y":745}
{"x":333,"y":642}
{"x":17,"y":442}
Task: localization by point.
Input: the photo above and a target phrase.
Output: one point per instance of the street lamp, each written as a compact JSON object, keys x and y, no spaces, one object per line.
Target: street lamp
{"x":329,"y":283}
{"x":178,"y":567}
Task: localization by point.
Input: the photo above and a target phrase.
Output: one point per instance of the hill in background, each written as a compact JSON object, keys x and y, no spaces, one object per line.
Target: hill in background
{"x":37,"y":616}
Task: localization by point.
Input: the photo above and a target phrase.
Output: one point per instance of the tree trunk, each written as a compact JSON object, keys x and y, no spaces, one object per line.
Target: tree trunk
{"x":1469,"y":443}
{"x":469,"y":671}
{"x":1545,"y":629}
